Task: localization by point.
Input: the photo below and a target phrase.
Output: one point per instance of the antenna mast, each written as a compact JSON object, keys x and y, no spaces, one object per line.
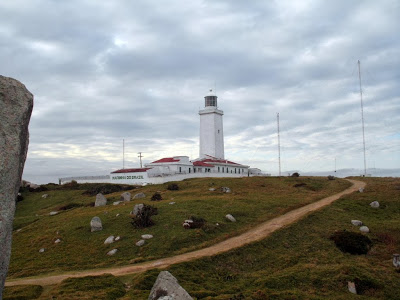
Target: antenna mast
{"x":362,"y":118}
{"x":279,"y":145}
{"x":140,"y":157}
{"x":123,"y":153}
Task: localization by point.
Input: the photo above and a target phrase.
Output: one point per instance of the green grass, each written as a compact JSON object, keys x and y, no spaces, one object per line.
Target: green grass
{"x":252,"y":201}
{"x":300,"y":261}
{"x":22,"y":292}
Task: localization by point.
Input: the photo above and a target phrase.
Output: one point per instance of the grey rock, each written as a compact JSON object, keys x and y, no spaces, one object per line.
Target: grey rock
{"x":356,"y":222}
{"x":16,"y":104}
{"x":374,"y":204}
{"x":96,"y":224}
{"x":100,"y":200}
{"x":117,"y":215}
{"x":53,"y":213}
{"x":109,"y":240}
{"x":117,"y":238}
{"x":57,"y":241}
{"x":396,"y":260}
{"x":140,"y":243}
{"x":230,"y":218}
{"x":211,"y":189}
{"x":361,"y":190}
{"x":112,"y":252}
{"x":147,"y":236}
{"x":352,"y":287}
{"x":41,"y":250}
{"x":172,"y":203}
{"x":137,"y":209}
{"x":169,"y":284}
{"x":139,"y":196}
{"x":116,"y":202}
{"x":364,"y":229}
{"x":126,"y":196}
{"x":45,"y":196}
{"x":225,"y":189}
{"x":186,"y":225}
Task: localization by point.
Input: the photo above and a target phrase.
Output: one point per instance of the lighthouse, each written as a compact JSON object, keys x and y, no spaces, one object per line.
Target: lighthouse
{"x":211,"y":129}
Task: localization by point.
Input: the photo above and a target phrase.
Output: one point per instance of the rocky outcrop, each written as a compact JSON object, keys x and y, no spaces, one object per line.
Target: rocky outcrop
{"x":167,"y":286}
{"x":16,"y":104}
{"x":126,"y":196}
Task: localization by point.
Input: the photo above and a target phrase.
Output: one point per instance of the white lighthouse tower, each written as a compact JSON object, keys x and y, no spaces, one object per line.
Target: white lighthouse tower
{"x":211,"y":129}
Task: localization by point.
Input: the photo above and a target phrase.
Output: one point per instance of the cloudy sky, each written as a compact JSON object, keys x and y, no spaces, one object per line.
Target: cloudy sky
{"x":104,"y":71}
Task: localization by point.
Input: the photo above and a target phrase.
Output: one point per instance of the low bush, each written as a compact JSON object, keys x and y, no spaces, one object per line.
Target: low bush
{"x":197,"y":222}
{"x":156,"y":197}
{"x":351,"y":242}
{"x":295,"y":174}
{"x":299,"y":184}
{"x":173,"y":187}
{"x":330,"y":177}
{"x":366,"y":285}
{"x":92,"y":189}
{"x":21,"y":292}
{"x":20,"y":198}
{"x":143,"y":218}
{"x":40,"y":188}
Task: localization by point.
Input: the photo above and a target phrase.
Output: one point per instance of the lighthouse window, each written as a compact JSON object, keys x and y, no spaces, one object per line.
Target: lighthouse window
{"x":218,"y":130}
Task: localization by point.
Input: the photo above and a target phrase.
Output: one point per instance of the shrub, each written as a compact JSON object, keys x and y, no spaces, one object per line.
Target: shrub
{"x":295,"y":174}
{"x":69,"y":206}
{"x":330,"y":177}
{"x":20,"y":198}
{"x":156,"y":197}
{"x":351,"y":242}
{"x":197,"y":222}
{"x":300,"y":184}
{"x":173,"y":187}
{"x":40,"y":188}
{"x":22,"y":292}
{"x":143,"y":218}
{"x":364,"y":285}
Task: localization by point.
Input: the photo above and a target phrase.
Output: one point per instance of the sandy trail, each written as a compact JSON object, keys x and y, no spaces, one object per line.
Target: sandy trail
{"x":255,"y":234}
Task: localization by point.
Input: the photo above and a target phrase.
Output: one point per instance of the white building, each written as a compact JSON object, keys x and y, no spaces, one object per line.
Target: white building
{"x":211,"y":161}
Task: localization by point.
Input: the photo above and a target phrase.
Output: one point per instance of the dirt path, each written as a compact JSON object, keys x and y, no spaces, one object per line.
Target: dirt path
{"x":257,"y":233}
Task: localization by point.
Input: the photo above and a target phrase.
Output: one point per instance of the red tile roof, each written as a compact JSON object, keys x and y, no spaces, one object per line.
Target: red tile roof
{"x":201,"y":164}
{"x":166,"y":160}
{"x":131,"y":170}
{"x":223,"y":161}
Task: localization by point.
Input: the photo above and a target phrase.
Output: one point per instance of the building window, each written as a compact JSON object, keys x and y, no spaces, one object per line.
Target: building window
{"x":180,"y":169}
{"x":189,"y":170}
{"x":235,"y":170}
{"x":227,"y":170}
{"x":218,"y":169}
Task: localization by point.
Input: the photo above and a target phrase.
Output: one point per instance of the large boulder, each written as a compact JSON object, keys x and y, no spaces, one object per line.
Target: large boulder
{"x":374,"y":204}
{"x":126,"y":196}
{"x":167,"y":287}
{"x":139,"y":196}
{"x":16,"y":104}
{"x":137,"y":209}
{"x":96,"y":224}
{"x":100,"y":200}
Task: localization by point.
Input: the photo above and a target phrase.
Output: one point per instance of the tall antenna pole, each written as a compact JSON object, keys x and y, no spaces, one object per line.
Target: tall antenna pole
{"x":123,"y":153}
{"x":279,"y":144}
{"x":140,"y":157}
{"x":362,"y":118}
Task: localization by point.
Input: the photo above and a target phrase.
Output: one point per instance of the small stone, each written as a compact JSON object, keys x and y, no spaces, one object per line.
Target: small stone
{"x":41,"y":250}
{"x":116,"y":202}
{"x":112,"y":252}
{"x":100,"y":200}
{"x":374,"y":204}
{"x":109,"y":240}
{"x":361,"y":190}
{"x":364,"y":229}
{"x":53,"y":213}
{"x":356,"y":222}
{"x":186,"y":225}
{"x":230,"y":218}
{"x":172,"y":203}
{"x":147,"y":236}
{"x":211,"y":189}
{"x":45,"y":196}
{"x":57,"y":241}
{"x":396,"y":260}
{"x":352,"y":287}
{"x":126,"y":196}
{"x":139,"y":196}
{"x":216,"y":224}
{"x":95,"y":224}
{"x":117,"y":238}
{"x":140,"y":243}
{"x":225,"y":189}
{"x":189,"y":221}
{"x":117,"y":215}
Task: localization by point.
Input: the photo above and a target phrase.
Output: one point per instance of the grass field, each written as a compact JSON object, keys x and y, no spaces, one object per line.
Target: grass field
{"x":297,"y":262}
